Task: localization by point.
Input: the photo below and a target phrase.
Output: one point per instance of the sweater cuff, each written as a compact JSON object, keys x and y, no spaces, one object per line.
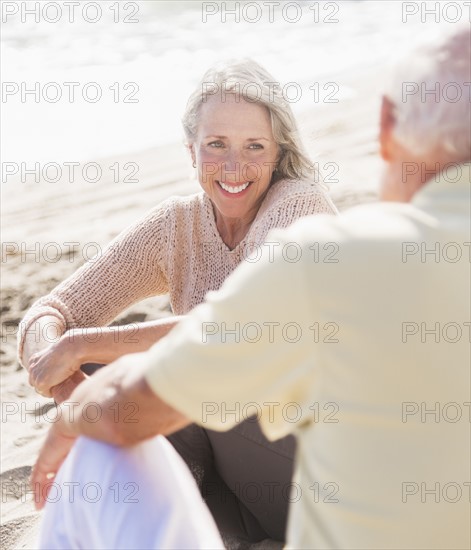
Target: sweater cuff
{"x":25,"y":325}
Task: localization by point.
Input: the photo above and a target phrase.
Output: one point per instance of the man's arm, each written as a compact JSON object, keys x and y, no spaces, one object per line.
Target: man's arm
{"x":126,"y":409}
{"x":116,"y":406}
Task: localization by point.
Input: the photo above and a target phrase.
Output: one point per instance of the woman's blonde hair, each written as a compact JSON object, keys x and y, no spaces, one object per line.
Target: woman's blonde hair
{"x":247,"y":79}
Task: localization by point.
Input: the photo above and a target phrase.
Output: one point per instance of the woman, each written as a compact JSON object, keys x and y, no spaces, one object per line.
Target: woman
{"x":255,"y":176}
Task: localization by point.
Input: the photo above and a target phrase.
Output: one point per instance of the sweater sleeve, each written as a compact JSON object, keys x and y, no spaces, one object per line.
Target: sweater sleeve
{"x":129,"y":269}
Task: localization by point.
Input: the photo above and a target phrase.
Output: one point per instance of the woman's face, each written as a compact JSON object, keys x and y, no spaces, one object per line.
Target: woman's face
{"x":235,"y":154}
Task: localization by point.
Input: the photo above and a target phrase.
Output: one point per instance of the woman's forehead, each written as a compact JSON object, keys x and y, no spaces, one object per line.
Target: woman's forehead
{"x":234,"y":113}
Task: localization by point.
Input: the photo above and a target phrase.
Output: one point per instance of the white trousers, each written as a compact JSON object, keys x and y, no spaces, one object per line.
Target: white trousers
{"x":142,"y":497}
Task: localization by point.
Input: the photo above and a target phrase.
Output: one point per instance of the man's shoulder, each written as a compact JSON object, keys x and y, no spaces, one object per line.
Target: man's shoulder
{"x":355,"y":250}
{"x":360,"y":224}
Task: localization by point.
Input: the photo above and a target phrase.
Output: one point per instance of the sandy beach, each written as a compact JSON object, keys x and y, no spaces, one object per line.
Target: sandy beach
{"x":341,"y":137}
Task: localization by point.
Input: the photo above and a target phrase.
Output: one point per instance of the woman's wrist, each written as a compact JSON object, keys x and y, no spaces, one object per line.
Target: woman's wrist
{"x":76,"y":346}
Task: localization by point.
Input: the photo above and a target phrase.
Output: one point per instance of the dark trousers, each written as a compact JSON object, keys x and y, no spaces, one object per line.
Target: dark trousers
{"x":243,"y":478}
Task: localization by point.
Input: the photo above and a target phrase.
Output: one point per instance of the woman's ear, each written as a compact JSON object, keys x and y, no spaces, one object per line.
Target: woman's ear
{"x":387,"y":124}
{"x":191,"y":149}
{"x":278,"y":158}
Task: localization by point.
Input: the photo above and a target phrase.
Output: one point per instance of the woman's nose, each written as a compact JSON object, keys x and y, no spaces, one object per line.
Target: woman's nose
{"x":232,"y":166}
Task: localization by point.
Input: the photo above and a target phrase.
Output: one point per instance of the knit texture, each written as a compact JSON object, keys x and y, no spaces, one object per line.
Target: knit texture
{"x":176,"y":249}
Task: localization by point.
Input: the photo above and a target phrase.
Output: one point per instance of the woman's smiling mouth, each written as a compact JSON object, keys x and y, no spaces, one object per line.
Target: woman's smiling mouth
{"x":234,"y":189}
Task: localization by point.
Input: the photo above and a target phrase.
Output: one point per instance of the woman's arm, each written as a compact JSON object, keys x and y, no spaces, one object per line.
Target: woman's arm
{"x":62,"y":360}
{"x":130,"y":269}
{"x":106,"y":344}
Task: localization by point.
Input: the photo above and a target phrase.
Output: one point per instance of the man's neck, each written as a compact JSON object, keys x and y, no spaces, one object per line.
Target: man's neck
{"x":406,"y":175}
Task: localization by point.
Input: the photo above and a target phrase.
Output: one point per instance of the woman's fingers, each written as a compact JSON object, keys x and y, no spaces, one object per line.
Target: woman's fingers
{"x":39,"y":379}
{"x":49,"y":368}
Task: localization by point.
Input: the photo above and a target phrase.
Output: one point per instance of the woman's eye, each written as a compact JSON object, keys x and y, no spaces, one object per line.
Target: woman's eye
{"x":216,"y":144}
{"x":255,"y":146}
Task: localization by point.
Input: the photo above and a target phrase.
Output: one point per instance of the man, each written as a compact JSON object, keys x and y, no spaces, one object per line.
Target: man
{"x":363,"y":353}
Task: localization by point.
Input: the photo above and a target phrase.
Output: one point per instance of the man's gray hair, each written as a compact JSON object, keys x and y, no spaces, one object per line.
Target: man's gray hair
{"x":431,"y":92}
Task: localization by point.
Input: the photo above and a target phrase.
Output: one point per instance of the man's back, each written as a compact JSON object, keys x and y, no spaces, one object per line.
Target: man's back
{"x":388,"y":461}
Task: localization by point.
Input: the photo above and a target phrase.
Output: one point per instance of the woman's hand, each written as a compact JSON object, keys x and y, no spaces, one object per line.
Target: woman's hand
{"x":55,"y":364}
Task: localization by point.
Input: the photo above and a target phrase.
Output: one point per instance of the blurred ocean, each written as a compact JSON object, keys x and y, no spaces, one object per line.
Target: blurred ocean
{"x":152,"y":54}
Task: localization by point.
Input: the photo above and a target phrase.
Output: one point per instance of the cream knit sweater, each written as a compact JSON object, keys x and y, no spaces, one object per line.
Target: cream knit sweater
{"x":176,"y":249}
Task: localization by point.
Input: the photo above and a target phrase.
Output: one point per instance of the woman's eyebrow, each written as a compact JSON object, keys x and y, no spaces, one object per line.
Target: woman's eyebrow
{"x":225,"y":137}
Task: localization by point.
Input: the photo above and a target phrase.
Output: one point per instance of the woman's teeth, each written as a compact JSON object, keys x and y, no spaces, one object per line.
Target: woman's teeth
{"x":234,"y":190}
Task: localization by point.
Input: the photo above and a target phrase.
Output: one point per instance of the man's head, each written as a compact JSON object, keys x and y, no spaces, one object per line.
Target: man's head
{"x":426,"y":115}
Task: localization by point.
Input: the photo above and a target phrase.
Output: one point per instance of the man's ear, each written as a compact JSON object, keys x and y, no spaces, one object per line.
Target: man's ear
{"x":387,"y":123}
